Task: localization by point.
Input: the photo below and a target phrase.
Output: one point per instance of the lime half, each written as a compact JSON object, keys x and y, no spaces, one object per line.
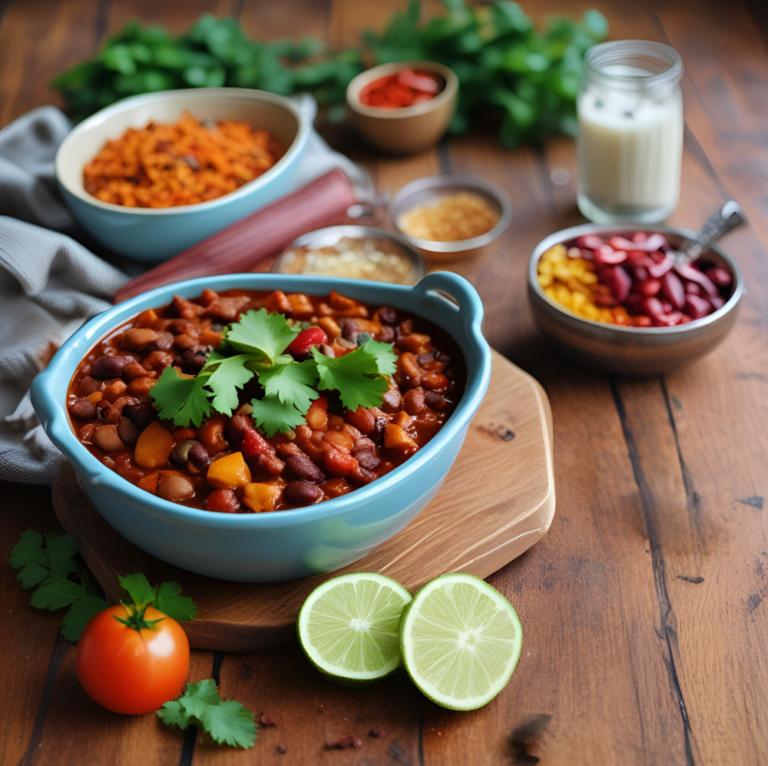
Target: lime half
{"x":460,"y":640}
{"x":348,"y":627}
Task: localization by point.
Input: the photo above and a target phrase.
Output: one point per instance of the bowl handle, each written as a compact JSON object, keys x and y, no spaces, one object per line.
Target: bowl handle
{"x":459,"y":291}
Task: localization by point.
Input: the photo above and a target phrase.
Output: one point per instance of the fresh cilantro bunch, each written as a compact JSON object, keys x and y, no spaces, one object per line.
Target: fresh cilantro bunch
{"x":52,"y":567}
{"x":165,"y":598}
{"x":254,"y":348}
{"x":227,"y":721}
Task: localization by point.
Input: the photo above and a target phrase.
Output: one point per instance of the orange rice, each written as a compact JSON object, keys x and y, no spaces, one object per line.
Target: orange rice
{"x":182,"y":164}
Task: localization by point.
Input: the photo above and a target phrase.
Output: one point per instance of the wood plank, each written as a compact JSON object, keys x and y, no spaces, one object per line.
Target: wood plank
{"x":506,"y":446}
{"x":31,"y":650}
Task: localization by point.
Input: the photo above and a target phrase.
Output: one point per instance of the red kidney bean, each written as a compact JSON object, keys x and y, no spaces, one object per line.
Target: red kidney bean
{"x":692,"y":288}
{"x":302,"y":493}
{"x":362,"y":476}
{"x":367,"y":458}
{"x":141,"y":414}
{"x":174,"y":488}
{"x":649,"y":288}
{"x":271,"y":463}
{"x":589,"y":241}
{"x":106,"y":438}
{"x":653,"y":242}
{"x":689,"y":271}
{"x":716,"y":301}
{"x":106,"y":367}
{"x":288,"y":449}
{"x":223,"y":501}
{"x":413,"y":401}
{"x":82,"y":408}
{"x":607,"y":301}
{"x":303,"y":468}
{"x":88,"y":385}
{"x":364,"y":443}
{"x":618,"y":282}
{"x":235,"y":430}
{"x":652,"y":307}
{"x":672,"y":289}
{"x":435,"y":401}
{"x":163,"y":342}
{"x":387,"y":334}
{"x":661,"y":266}
{"x":696,"y":306}
{"x":391,"y":400}
{"x":192,"y":361}
{"x":607,"y":256}
{"x":640,"y":273}
{"x":667,"y":306}
{"x":349,"y":329}
{"x":198,"y":456}
{"x":720,"y":276}
{"x":638,"y":258}
{"x":128,"y":431}
{"x":639,"y":236}
{"x":387,"y":315}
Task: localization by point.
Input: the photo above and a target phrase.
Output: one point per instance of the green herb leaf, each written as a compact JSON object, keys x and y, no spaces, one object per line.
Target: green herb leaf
{"x":32,"y":574}
{"x":293,"y":384}
{"x":29,"y":549}
{"x":181,"y":400}
{"x":173,"y":714}
{"x":230,"y":375}
{"x":80,"y":614}
{"x":382,"y":356}
{"x":62,"y":551}
{"x":138,"y":588}
{"x":271,"y":415}
{"x":355,"y":376}
{"x":199,"y":697}
{"x":56,"y":592}
{"x":258,"y":332}
{"x":170,"y":603}
{"x":230,"y":723}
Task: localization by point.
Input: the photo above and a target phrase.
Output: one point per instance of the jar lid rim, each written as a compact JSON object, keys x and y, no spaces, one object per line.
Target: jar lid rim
{"x":636,"y":53}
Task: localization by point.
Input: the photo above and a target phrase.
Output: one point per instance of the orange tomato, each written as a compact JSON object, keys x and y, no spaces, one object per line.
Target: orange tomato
{"x":130,"y":670}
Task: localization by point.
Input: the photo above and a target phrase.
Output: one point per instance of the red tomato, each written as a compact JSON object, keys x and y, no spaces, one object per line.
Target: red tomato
{"x":132,"y":671}
{"x":301,"y":344}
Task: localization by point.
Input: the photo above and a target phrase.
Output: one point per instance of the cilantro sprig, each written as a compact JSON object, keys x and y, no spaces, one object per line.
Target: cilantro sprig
{"x":254,"y":348}
{"x":228,"y":722}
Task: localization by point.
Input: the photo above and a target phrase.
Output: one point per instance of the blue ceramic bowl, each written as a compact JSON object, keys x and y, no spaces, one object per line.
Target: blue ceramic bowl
{"x":153,"y":235}
{"x":288,"y":544}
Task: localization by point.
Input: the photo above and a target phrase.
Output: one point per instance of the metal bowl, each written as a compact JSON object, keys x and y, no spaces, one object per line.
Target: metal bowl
{"x":424,"y":191}
{"x":330,"y":235}
{"x":631,"y":350}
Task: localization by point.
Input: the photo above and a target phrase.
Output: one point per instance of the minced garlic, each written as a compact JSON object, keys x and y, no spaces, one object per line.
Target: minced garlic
{"x":453,"y":218}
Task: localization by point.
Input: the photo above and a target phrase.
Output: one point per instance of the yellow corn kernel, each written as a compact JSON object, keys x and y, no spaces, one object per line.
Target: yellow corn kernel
{"x":550,"y":293}
{"x":606,"y":315}
{"x":545,"y":280}
{"x":589,"y":278}
{"x":562,"y":272}
{"x":578,"y":287}
{"x":578,"y":301}
{"x":555,"y":254}
{"x":545,"y":267}
{"x":583,"y":264}
{"x":591,"y":311}
{"x":563,"y":295}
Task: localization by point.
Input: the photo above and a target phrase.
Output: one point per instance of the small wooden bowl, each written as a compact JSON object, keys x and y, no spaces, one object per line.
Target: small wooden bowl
{"x":412,"y":128}
{"x":631,"y":350}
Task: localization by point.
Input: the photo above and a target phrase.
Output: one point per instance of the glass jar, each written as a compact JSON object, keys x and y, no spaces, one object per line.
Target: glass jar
{"x":630,"y":143}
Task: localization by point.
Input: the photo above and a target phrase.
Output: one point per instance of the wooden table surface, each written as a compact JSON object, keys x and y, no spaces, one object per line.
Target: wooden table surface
{"x":645,"y":608}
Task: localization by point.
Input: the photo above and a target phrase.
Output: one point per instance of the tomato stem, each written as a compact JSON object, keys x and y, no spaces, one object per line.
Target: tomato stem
{"x":136,"y":619}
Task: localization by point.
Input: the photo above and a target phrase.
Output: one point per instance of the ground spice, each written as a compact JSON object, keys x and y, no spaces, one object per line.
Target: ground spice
{"x":453,"y":218}
{"x":189,"y":162}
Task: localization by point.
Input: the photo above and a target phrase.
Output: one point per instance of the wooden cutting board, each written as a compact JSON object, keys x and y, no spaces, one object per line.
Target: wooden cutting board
{"x":497,"y":501}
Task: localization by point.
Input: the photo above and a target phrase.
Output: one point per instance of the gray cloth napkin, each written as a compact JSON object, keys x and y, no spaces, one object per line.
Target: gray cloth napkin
{"x":50,"y":284}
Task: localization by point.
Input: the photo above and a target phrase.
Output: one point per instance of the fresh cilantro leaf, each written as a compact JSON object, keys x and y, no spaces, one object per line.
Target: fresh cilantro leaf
{"x":230,"y":375}
{"x":170,"y":603}
{"x":32,"y":574}
{"x":62,"y":551}
{"x":259,"y":332}
{"x":292,"y":384}
{"x":199,"y":697}
{"x":180,"y":399}
{"x":79,"y":614}
{"x":351,"y":375}
{"x":56,"y":592}
{"x":231,"y":723}
{"x":173,"y":714}
{"x":271,"y":415}
{"x":139,"y":589}
{"x":383,"y":356}
{"x":29,"y":549}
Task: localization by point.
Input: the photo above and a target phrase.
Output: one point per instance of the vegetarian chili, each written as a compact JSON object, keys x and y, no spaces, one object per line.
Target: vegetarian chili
{"x":247,"y":461}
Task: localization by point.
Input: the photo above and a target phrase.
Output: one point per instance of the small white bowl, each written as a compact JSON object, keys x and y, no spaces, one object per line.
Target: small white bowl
{"x":156,"y":234}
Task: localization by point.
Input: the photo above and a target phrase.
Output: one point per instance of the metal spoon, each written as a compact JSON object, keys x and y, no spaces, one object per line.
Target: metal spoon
{"x":729,"y":217}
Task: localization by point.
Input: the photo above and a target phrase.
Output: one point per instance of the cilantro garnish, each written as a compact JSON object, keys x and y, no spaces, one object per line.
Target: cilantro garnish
{"x":254,"y":348}
{"x":53,"y":568}
{"x":227,"y":721}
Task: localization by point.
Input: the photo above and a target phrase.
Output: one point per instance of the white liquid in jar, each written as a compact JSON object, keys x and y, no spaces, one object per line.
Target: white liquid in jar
{"x":630,"y":146}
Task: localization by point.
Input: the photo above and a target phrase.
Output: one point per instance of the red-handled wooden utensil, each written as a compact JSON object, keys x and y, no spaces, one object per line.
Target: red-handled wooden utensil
{"x":264,"y":233}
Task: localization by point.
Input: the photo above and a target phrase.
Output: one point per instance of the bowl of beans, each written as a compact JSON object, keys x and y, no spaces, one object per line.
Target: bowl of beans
{"x":152,"y":175}
{"x":617,"y":300}
{"x":262,"y":427}
{"x":403,"y":107}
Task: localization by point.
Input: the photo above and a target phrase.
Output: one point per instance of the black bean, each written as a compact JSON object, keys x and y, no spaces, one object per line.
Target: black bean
{"x":423,"y":359}
{"x":367,"y":458}
{"x":128,"y":431}
{"x":391,"y":400}
{"x":387,"y":334}
{"x":349,"y":329}
{"x":302,"y":467}
{"x":142,"y":414}
{"x":302,"y":493}
{"x":434,"y":400}
{"x":451,"y":373}
{"x":387,"y":315}
{"x":198,"y":456}
{"x":442,"y":357}
{"x":362,"y":476}
{"x":192,"y":361}
{"x":82,"y":408}
{"x":106,"y":367}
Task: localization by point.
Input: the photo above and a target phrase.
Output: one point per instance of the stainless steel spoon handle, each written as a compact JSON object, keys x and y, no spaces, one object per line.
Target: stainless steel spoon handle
{"x":727,"y":218}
